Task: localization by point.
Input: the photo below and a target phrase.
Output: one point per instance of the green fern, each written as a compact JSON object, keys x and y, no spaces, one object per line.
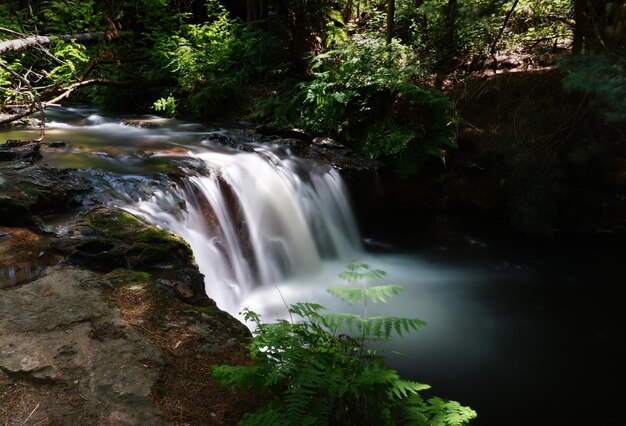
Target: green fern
{"x":318,"y":370}
{"x":381,"y":293}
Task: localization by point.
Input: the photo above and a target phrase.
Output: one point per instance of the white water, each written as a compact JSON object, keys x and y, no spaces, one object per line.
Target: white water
{"x":257,"y":220}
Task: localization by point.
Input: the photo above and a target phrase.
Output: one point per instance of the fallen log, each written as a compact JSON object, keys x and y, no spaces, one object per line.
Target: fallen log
{"x":19,"y":44}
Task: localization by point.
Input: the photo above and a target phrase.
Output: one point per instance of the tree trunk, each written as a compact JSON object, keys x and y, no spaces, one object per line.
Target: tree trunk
{"x":580,"y":16}
{"x":450,"y":37}
{"x":600,"y":26}
{"x":391,"y":11}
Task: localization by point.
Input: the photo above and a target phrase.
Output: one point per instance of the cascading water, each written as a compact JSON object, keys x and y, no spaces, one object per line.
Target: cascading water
{"x":256,"y":218}
{"x":500,"y":311}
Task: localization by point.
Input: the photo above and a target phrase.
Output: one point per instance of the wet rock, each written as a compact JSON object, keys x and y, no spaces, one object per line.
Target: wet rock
{"x":29,"y":189}
{"x":58,"y":144}
{"x":107,"y":238}
{"x":24,"y":255}
{"x":342,"y":158}
{"x":51,"y":331}
{"x":21,"y":150}
{"x":221,"y":140}
{"x":286,"y":133}
{"x":190,"y":166}
{"x":297,"y":147}
{"x":146,"y":123}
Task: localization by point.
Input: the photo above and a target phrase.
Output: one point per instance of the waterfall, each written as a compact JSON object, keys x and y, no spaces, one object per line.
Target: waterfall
{"x":256,"y":218}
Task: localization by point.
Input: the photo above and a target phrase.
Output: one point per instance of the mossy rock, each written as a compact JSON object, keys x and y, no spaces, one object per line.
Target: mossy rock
{"x":114,"y":241}
{"x":128,"y":277}
{"x":146,"y":243}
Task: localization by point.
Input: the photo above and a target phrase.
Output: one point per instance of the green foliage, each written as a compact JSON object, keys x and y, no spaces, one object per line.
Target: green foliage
{"x":311,"y":373}
{"x":71,"y":58}
{"x":367,"y":93}
{"x":167,"y":106}
{"x":213,"y":60}
{"x":603,"y":78}
{"x":540,"y":22}
{"x":474,"y":24}
{"x":70,"y":16}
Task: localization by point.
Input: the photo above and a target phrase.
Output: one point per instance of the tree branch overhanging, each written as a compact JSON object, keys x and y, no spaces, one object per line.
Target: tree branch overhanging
{"x":38,"y":99}
{"x":19,"y":44}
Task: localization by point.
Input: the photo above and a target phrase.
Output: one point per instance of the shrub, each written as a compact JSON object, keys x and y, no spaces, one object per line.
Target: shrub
{"x":366,"y":93}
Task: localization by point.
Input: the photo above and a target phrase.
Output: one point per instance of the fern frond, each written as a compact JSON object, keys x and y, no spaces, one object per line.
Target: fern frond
{"x":266,"y":416}
{"x":380,"y":293}
{"x":383,"y":327}
{"x":401,"y":389}
{"x":361,"y":271}
{"x":447,"y":413}
{"x":306,"y":309}
{"x":318,"y":376}
{"x":339,"y":321}
{"x":246,"y":377}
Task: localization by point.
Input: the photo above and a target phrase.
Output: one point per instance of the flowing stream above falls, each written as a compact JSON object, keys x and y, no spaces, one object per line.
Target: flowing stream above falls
{"x":515,"y":327}
{"x":254,"y":214}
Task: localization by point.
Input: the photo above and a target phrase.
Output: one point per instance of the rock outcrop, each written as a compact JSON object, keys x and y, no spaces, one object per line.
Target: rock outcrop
{"x":65,"y":346}
{"x":106,"y":238}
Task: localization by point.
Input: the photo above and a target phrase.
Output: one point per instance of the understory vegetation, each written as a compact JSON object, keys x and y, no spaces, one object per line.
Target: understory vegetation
{"x":367,"y":73}
{"x":322,"y":369}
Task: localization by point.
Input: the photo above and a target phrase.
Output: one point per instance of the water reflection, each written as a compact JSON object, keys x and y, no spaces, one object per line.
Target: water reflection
{"x":23,"y":256}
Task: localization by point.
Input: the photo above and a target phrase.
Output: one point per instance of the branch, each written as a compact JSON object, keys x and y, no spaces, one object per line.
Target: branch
{"x":65,"y":92}
{"x":35,"y":97}
{"x":492,"y":49}
{"x":20,"y":44}
{"x":101,"y":81}
{"x":11,"y":32}
{"x":15,"y":117}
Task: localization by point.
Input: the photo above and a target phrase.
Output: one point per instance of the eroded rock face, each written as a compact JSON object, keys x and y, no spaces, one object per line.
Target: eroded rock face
{"x":106,"y":238}
{"x":61,"y":335}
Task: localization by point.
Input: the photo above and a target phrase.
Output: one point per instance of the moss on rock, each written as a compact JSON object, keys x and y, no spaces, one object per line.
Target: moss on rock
{"x":107,"y":239}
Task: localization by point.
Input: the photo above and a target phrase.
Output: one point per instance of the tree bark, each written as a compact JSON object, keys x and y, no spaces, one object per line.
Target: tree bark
{"x":20,"y":44}
{"x":600,"y":27}
{"x":391,"y":11}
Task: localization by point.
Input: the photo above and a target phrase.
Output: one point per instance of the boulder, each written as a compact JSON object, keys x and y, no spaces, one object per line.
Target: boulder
{"x":106,"y":238}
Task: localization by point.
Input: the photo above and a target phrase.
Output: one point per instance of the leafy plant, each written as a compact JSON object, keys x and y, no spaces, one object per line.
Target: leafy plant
{"x":166,"y":105}
{"x":71,"y":56}
{"x":320,"y":370}
{"x":367,"y":93}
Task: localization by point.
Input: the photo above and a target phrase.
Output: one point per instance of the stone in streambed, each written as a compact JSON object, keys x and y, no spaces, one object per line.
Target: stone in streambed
{"x":29,"y":189}
{"x":22,"y":150}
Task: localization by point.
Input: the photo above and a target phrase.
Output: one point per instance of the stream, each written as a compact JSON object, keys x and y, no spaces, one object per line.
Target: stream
{"x":526,"y":332}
